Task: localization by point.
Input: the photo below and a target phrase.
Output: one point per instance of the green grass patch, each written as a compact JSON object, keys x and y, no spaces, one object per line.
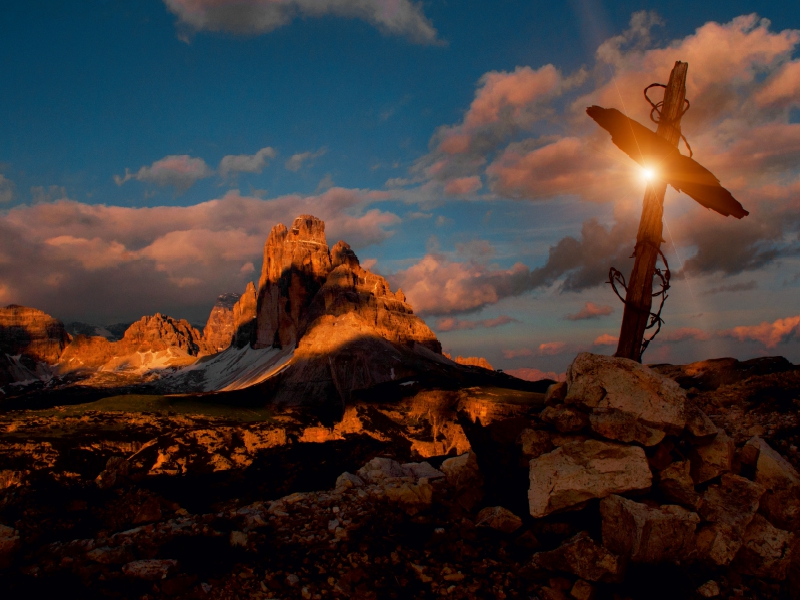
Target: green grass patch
{"x":163,"y":405}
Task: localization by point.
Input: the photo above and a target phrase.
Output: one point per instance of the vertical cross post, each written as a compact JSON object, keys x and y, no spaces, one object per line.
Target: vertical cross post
{"x":639,"y":297}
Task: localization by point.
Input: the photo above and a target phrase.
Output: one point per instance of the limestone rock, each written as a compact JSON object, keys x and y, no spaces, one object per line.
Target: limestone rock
{"x":712,"y":459}
{"x":677,"y":485}
{"x":499,"y":518}
{"x":582,"y":590}
{"x":160,"y":332}
{"x":474,"y":361}
{"x":9,"y":544}
{"x":533,"y":443}
{"x":580,"y":471}
{"x":729,"y":507}
{"x":219,"y":330}
{"x":114,"y":555}
{"x":781,"y":503}
{"x":645,"y":534}
{"x":296,"y":263}
{"x":581,"y":556}
{"x":31,"y":333}
{"x":766,"y":550}
{"x":566,"y":419}
{"x":556,"y":393}
{"x":244,"y":317}
{"x":698,"y":425}
{"x":465,"y":479}
{"x":614,"y":424}
{"x":150,"y":570}
{"x":607,"y":382}
{"x":710,"y":589}
{"x":175,"y":340}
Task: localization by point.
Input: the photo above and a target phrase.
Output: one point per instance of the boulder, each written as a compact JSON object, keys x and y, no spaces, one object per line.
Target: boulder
{"x":645,"y":534}
{"x":412,"y":497}
{"x":566,"y":419}
{"x":498,"y":518}
{"x":766,"y":550}
{"x":465,"y":479}
{"x":556,"y":393}
{"x":729,"y":507}
{"x":580,"y":471}
{"x":614,"y":424}
{"x":699,"y":427}
{"x":712,"y":459}
{"x":581,"y":556}
{"x":596,"y":381}
{"x":781,"y":503}
{"x":675,"y":482}
{"x":533,"y":443}
{"x":582,"y":590}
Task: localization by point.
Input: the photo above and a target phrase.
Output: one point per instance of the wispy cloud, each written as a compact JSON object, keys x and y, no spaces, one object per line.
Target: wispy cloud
{"x":296,"y":161}
{"x":590,"y":311}
{"x":7,"y":189}
{"x":733,"y":287}
{"x":252,"y":17}
{"x":453,"y":324}
{"x":180,"y":171}
{"x":246,"y":163}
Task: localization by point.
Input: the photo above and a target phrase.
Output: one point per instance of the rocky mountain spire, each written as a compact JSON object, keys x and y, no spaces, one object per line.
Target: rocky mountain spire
{"x":296,"y":263}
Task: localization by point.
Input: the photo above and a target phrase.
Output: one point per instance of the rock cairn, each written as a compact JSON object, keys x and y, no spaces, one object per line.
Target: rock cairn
{"x":672,"y":488}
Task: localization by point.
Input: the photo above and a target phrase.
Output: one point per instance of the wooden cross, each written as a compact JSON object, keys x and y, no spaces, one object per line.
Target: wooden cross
{"x":658,"y":153}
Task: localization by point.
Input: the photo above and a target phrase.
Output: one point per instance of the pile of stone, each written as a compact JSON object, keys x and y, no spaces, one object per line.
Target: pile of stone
{"x":672,"y":488}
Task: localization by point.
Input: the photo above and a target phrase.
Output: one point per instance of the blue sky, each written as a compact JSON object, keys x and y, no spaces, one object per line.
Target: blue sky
{"x":351,"y":109}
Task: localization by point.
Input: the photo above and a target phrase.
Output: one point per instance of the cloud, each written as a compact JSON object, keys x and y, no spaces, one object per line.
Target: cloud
{"x":92,"y":262}
{"x":769,"y":334}
{"x":6,"y":190}
{"x":525,"y":135}
{"x":180,"y":171}
{"x":551,"y":348}
{"x":683,"y":333}
{"x":462,"y":186}
{"x":590,"y":311}
{"x":530,"y":374}
{"x":252,"y":17}
{"x":509,"y":354}
{"x":585,"y":262}
{"x":246,"y":163}
{"x":733,"y":287}
{"x":438,"y":286}
{"x":295,"y":162}
{"x":606,"y":340}
{"x":453,"y":324}
{"x":782,"y":89}
{"x":43,"y":194}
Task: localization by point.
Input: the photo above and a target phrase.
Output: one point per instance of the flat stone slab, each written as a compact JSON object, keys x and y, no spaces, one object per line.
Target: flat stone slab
{"x":580,"y":471}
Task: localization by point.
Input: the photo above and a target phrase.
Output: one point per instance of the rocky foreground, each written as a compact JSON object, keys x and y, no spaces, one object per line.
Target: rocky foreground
{"x":617,"y":484}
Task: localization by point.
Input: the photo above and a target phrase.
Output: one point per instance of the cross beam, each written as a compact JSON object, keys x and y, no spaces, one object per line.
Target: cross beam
{"x":639,"y":297}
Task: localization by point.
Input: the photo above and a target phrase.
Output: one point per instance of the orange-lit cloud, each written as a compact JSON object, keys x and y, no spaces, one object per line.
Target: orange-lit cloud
{"x":453,"y":324}
{"x":590,"y":311}
{"x":551,"y":348}
{"x":769,"y":334}
{"x":509,"y":354}
{"x":606,"y":340}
